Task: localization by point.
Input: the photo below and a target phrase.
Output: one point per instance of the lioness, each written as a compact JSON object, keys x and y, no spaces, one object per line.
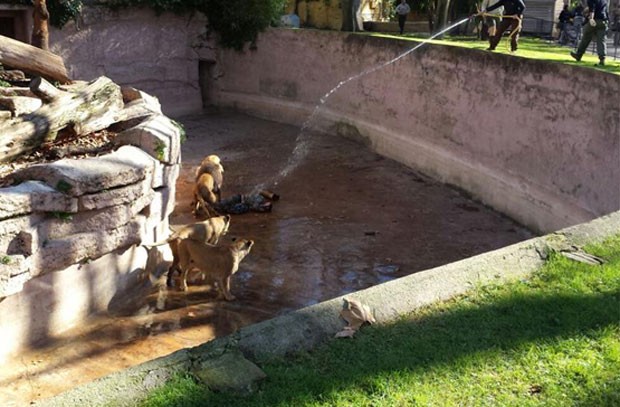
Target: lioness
{"x":217,"y":262}
{"x":208,"y":232}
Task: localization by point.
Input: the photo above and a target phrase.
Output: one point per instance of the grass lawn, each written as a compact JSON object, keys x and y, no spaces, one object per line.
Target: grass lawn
{"x":529,"y":47}
{"x":549,"y":340}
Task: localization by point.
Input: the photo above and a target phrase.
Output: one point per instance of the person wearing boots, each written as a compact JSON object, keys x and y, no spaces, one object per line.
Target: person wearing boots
{"x":598,"y":23}
{"x":513,"y":14}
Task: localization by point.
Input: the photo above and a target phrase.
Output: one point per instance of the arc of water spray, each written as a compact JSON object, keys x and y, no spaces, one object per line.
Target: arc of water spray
{"x":301,"y":146}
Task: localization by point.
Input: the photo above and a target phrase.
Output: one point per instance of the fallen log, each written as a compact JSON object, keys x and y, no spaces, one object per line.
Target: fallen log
{"x":93,"y":107}
{"x":20,"y":105}
{"x":32,"y":60}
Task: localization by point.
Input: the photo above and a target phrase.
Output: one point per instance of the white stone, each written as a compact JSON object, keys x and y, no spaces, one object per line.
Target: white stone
{"x":14,"y":272}
{"x":157,"y":135}
{"x":95,"y":220}
{"x":34,"y":196}
{"x":125,"y":166}
{"x":113,"y":197}
{"x":58,"y":254}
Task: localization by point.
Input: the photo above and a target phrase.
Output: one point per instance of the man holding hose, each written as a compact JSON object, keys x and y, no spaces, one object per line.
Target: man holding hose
{"x":512,"y":17}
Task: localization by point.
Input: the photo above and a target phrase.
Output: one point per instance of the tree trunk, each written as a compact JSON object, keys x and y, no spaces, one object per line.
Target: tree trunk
{"x":32,"y":60}
{"x":93,"y":107}
{"x":40,"y":31}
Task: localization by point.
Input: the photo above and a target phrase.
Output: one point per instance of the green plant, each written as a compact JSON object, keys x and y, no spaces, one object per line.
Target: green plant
{"x":4,"y":84}
{"x":236,"y":22}
{"x":62,"y":215}
{"x":160,"y":150}
{"x":62,"y":11}
{"x":5,"y":260}
{"x":63,"y":186}
{"x":182,"y":132}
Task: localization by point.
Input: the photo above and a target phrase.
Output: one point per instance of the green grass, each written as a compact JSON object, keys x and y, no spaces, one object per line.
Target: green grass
{"x":549,"y":340}
{"x":533,"y":48}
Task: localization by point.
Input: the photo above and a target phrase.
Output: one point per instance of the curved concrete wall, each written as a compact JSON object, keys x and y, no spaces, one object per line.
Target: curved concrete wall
{"x":521,"y":135}
{"x":538,"y":141}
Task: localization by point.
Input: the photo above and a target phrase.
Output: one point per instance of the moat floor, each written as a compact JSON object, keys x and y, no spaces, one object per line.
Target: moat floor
{"x":347,"y":219}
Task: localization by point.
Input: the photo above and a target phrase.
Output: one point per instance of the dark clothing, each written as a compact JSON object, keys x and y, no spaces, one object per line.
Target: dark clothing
{"x":564,"y":16}
{"x":401,"y":22}
{"x":504,"y":25}
{"x":511,"y":7}
{"x":238,"y":204}
{"x":600,"y":9}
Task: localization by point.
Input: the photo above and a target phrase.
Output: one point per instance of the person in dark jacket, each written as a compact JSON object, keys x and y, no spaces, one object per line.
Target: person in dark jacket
{"x":563,"y":20}
{"x":598,"y":23}
{"x":513,"y":14}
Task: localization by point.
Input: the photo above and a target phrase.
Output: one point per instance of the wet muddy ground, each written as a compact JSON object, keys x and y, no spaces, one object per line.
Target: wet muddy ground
{"x":347,"y":219}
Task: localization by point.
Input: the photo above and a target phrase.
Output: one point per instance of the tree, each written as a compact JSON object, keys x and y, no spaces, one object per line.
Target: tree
{"x":40,"y":31}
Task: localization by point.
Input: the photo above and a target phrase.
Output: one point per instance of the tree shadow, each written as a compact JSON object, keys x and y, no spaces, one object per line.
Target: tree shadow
{"x":443,"y":338}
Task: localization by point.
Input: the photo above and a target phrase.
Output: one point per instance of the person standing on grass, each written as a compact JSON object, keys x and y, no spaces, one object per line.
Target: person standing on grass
{"x":563,"y":20}
{"x":598,"y":23}
{"x":402,"y":10}
{"x":492,"y":21}
{"x":511,"y":20}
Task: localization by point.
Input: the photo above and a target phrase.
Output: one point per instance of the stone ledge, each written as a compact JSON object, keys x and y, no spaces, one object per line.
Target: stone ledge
{"x":125,"y":166}
{"x":34,"y":196}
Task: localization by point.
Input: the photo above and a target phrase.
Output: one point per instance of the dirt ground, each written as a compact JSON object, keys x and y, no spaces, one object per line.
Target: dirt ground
{"x":347,"y":219}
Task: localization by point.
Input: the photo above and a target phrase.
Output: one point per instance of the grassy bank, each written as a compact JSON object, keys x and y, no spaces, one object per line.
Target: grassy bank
{"x":550,"y":340}
{"x":533,"y":48}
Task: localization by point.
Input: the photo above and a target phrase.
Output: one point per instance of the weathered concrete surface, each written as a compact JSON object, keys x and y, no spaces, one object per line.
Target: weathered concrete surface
{"x":347,"y":219}
{"x":162,"y":59}
{"x":510,"y":131}
{"x":306,"y":328}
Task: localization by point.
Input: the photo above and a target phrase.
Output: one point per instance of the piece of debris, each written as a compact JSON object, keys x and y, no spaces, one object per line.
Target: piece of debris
{"x":356,"y":314}
{"x":370,"y":233}
{"x":577,"y":254}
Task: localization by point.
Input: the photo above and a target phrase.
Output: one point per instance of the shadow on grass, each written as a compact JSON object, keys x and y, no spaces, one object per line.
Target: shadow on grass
{"x":512,"y":323}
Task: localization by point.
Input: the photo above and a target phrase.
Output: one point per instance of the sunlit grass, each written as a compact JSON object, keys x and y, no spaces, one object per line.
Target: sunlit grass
{"x":533,"y":48}
{"x":549,"y":340}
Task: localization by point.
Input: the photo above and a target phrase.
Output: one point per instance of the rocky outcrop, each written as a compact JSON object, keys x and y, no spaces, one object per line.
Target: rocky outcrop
{"x":75,"y":210}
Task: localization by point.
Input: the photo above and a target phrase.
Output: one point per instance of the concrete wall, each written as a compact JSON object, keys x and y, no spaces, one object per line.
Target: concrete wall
{"x":134,"y":47}
{"x":521,"y":135}
{"x":524,"y":136}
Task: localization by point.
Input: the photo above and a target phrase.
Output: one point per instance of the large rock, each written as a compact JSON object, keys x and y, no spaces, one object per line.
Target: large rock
{"x":113,"y":197}
{"x":158,"y":135}
{"x":125,"y":166}
{"x":92,"y":221}
{"x":229,"y":372}
{"x":34,"y":196}
{"x":14,"y":272}
{"x":79,"y":248}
